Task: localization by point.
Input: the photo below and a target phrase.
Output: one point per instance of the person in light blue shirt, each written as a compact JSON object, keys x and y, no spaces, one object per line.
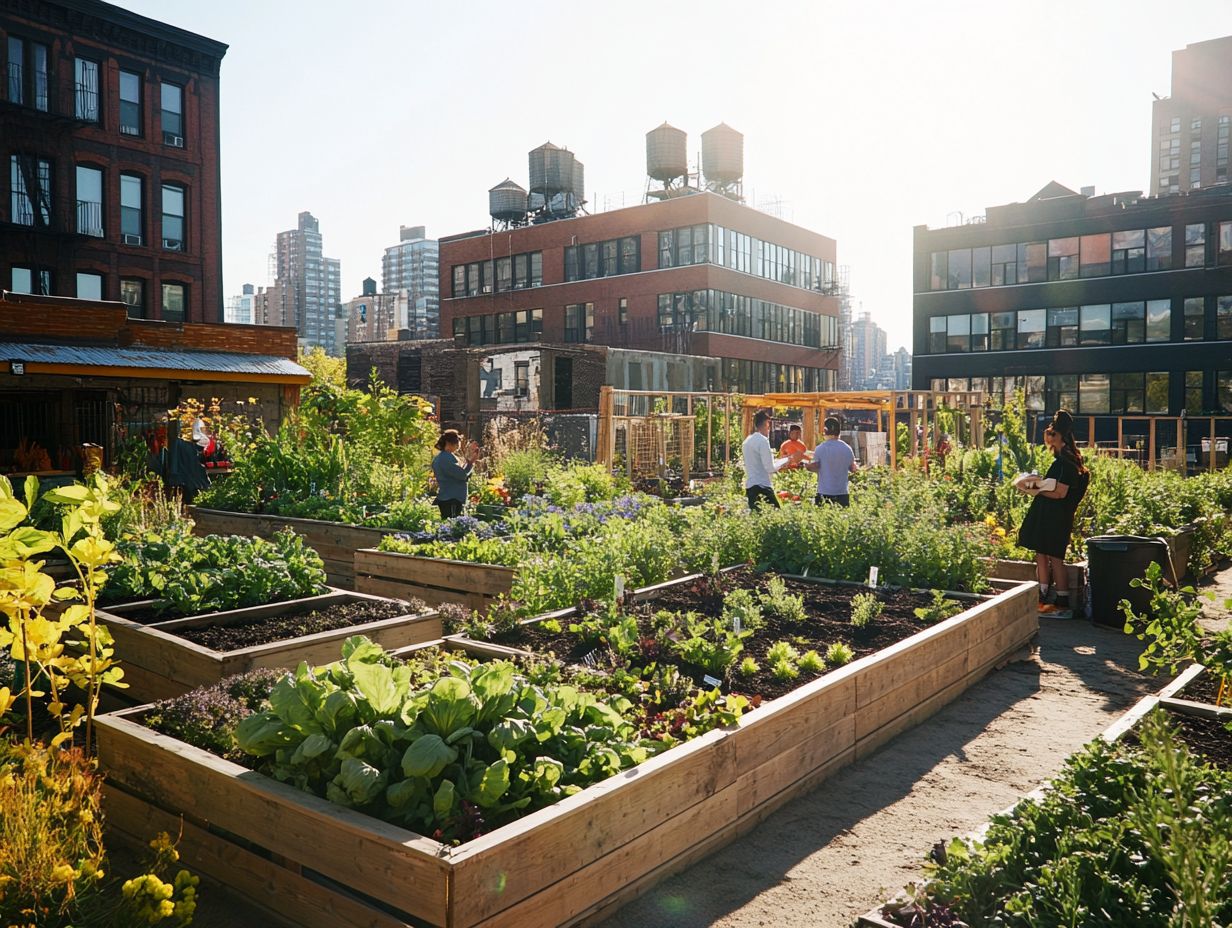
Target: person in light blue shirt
{"x":451,"y":474}
{"x":833,"y":461}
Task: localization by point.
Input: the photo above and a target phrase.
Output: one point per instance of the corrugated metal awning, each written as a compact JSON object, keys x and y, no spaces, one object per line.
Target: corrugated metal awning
{"x":146,"y":362}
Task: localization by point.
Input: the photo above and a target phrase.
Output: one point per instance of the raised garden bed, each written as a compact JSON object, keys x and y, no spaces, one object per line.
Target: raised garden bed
{"x":434,"y":580}
{"x":336,"y":542}
{"x":1025,"y":570}
{"x":161,"y":660}
{"x":295,"y":853}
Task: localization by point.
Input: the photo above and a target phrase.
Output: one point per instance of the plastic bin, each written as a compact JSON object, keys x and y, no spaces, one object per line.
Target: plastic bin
{"x":1113,"y":561}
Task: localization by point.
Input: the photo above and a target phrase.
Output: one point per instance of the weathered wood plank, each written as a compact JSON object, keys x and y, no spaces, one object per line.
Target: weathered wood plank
{"x":488,"y":579}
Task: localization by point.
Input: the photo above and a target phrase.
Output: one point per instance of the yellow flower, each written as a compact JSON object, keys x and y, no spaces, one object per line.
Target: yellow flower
{"x":990,"y":520}
{"x":63,"y":873}
{"x":1000,"y":532}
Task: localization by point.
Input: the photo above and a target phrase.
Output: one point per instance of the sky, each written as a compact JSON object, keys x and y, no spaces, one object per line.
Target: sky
{"x":861,"y":119}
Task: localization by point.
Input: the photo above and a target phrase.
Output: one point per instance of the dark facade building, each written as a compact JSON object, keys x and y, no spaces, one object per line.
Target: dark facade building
{"x":1110,"y":305}
{"x":698,"y":274}
{"x":1190,"y":128}
{"x":109,"y":141}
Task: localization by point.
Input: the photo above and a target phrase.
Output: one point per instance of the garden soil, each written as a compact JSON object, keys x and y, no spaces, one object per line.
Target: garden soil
{"x":826,"y":857}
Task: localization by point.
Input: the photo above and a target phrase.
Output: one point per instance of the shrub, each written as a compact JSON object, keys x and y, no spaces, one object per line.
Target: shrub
{"x":864,"y":608}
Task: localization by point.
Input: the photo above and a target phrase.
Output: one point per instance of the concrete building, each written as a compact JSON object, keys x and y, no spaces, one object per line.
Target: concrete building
{"x":239,"y":309}
{"x":313,"y":284}
{"x":894,"y":371}
{"x":1104,"y":305}
{"x":109,"y":143}
{"x":413,"y":266}
{"x":867,"y":350}
{"x":694,"y":274}
{"x":376,"y":317}
{"x":1190,"y":128}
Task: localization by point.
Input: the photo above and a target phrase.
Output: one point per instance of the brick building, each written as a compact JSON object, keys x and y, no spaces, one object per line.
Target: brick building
{"x":110,"y":150}
{"x":698,"y":274}
{"x":1190,"y":128}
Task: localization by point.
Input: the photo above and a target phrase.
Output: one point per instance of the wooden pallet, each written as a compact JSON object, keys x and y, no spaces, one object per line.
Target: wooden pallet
{"x":434,"y":580}
{"x":593,"y":850}
{"x":336,"y":542}
{"x":158,"y":664}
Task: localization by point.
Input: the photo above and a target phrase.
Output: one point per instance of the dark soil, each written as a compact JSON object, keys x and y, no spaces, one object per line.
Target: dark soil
{"x":1206,"y":737}
{"x":1205,"y":689}
{"x":295,"y":624}
{"x":827,"y":608}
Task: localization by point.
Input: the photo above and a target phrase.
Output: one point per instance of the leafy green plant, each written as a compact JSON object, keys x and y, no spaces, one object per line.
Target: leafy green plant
{"x":781,"y":604}
{"x":748,"y":667}
{"x":741,"y":610}
{"x":939,"y":609}
{"x":865,"y":607}
{"x":784,"y":670}
{"x":711,"y":644}
{"x":839,"y":654}
{"x":1170,"y":626}
{"x":783,"y":660}
{"x":812,"y":662}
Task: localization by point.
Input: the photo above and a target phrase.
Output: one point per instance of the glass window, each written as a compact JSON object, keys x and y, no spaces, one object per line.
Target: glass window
{"x":981,"y":275}
{"x":459,"y":280}
{"x":132,"y":293}
{"x":21,"y":280}
{"x":1062,"y":326}
{"x":958,"y":330}
{"x":1126,"y":394}
{"x":1032,"y":262}
{"x":1195,"y":318}
{"x":571,"y":263}
{"x":1195,"y":244}
{"x":89,"y":286}
{"x":536,"y":271}
{"x":173,"y":302}
{"x":1032,"y":325}
{"x":1128,"y":252}
{"x":173,"y":218}
{"x":623,"y":311}
{"x":1223,"y":317}
{"x":1004,"y":265}
{"x":1224,"y":255}
{"x":1158,"y":320}
{"x":504,"y":272}
{"x":89,"y":201}
{"x":665,"y":249}
{"x":1157,"y":392}
{"x":960,"y":269}
{"x":611,"y":263}
{"x":1063,"y":258}
{"x":85,"y":105}
{"x":1093,"y":396}
{"x":521,"y":271}
{"x":939,"y":276}
{"x":130,"y":103}
{"x":979,"y":331}
{"x":1193,"y":393}
{"x":1128,"y":323}
{"x":1096,"y":255}
{"x":173,"y":114}
{"x":16,"y":73}
{"x":937,"y":335}
{"x":1062,"y":392}
{"x":1095,"y":325}
{"x":1223,"y":389}
{"x":131,"y":223}
{"x":473,"y":282}
{"x":630,"y":254}
{"x":30,"y":191}
{"x":1004,"y":328}
{"x":1159,"y":248}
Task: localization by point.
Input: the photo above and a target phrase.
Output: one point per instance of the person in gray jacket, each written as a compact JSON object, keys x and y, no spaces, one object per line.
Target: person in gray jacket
{"x":452,"y":474}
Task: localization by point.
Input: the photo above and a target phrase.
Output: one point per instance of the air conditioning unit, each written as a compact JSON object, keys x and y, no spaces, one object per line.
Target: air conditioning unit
{"x":128,"y":238}
{"x":173,"y":244}
{"x":175,"y":141}
{"x":129,"y":130}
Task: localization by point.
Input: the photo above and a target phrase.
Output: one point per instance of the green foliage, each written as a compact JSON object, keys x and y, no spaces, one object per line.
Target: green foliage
{"x":741,"y":609}
{"x":578,"y":483}
{"x":865,"y":607}
{"x":839,"y":654}
{"x":748,"y":667}
{"x":1170,"y":626}
{"x":783,"y":660}
{"x":325,"y":369}
{"x":781,"y":604}
{"x":526,"y":468}
{"x":710,"y":644}
{"x":939,"y":609}
{"x":812,"y":662}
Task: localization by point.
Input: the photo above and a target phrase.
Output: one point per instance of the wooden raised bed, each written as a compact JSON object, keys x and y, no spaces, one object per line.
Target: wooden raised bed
{"x":565,"y":863}
{"x":158,"y":664}
{"x":1025,"y":570}
{"x":434,"y":580}
{"x":336,"y":542}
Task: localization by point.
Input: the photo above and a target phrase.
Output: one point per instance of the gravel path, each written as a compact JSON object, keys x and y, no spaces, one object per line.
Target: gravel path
{"x":826,"y":857}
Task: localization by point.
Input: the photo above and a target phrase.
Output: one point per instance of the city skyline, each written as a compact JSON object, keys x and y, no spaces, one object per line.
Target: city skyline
{"x":853,"y":128}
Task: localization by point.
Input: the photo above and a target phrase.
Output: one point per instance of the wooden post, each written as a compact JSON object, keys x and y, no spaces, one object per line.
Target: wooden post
{"x":603,"y":451}
{"x":1212,"y":458}
{"x":726,"y":432}
{"x":1090,"y":431}
{"x":709,"y":429}
{"x":1120,"y":437}
{"x":1151,"y":443}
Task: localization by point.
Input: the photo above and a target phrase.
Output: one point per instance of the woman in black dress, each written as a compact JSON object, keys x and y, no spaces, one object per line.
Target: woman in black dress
{"x":1050,"y":520}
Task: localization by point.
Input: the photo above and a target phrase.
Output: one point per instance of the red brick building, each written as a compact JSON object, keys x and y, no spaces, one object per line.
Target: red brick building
{"x":109,"y":143}
{"x":698,"y":274}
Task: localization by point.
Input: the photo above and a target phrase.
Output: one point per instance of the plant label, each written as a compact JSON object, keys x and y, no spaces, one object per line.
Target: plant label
{"x":620,"y":587}
{"x":736,"y":624}
{"x":714,"y":563}
{"x":872,"y":577}
{"x":711,"y":681}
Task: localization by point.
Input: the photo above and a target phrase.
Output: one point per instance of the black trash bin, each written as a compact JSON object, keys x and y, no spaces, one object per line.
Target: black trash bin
{"x":1113,"y":561}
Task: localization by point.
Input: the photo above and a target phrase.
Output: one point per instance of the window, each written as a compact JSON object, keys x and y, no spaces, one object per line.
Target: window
{"x":86,"y":90}
{"x":1223,"y":389}
{"x":1004,"y":327}
{"x":1193,"y":393}
{"x":1062,"y":258}
{"x":579,"y":322}
{"x":622,"y":311}
{"x":31,"y":280}
{"x":521,"y":379}
{"x":173,"y":218}
{"x":1195,"y":244}
{"x":939,"y":275}
{"x":131,"y":220}
{"x":30,"y":186}
{"x":1158,"y":320}
{"x":981,"y":275}
{"x":1195,"y":318}
{"x":958,"y":332}
{"x":89,"y":286}
{"x":1062,"y":327}
{"x":1128,"y":252}
{"x":173,"y":115}
{"x":603,"y":259}
{"x":130,"y":103}
{"x":667,"y":249}
{"x":1175,"y":125}
{"x":132,"y":294}
{"x":16,"y":73}
{"x":1062,"y":392}
{"x":1223,"y":317}
{"x":1157,"y":392}
{"x":459,"y":280}
{"x":536,"y":269}
{"x":1095,"y":254}
{"x":1093,"y":392}
{"x":89,"y":201}
{"x":28,"y":73}
{"x":960,"y":269}
{"x":1095,"y":327}
{"x":173,"y":302}
{"x":1224,"y":256}
{"x":1004,"y":265}
{"x":1032,"y":325}
{"x":1159,"y":248}
{"x":1128,"y":323}
{"x":979,"y":331}
{"x":631,"y":254}
{"x":937,"y":335}
{"x":1126,"y":394}
{"x":1032,"y":262}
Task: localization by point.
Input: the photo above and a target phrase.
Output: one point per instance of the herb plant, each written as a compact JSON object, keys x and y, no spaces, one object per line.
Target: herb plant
{"x":865,"y":607}
{"x":939,"y":609}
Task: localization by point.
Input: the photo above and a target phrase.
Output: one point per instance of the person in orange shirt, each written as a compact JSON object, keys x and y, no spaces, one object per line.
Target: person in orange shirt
{"x":792,"y":446}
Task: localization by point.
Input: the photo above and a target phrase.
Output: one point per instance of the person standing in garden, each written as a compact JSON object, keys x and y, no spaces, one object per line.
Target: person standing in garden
{"x":760,"y":464}
{"x":451,"y":474}
{"x":833,"y":462}
{"x":1049,"y":522}
{"x":792,"y":445}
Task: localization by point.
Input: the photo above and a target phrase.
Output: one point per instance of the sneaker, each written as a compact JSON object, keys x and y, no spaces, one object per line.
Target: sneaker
{"x":1051,"y":596}
{"x":1047,"y":608}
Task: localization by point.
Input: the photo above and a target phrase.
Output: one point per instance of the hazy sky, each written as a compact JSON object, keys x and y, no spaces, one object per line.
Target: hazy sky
{"x":861,"y":119}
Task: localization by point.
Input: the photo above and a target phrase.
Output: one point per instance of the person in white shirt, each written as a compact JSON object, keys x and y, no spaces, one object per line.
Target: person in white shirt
{"x":832,"y":461}
{"x":760,"y":464}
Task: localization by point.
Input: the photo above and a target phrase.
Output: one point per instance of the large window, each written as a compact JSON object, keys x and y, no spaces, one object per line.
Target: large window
{"x":173,"y":114}
{"x":1195,"y":318}
{"x":937,"y":335}
{"x":1128,"y":252}
{"x":173,"y":218}
{"x":132,"y":294}
{"x":132,"y":223}
{"x":1128,"y":323}
{"x":510,"y":328}
{"x":1032,"y":326}
{"x":736,"y":314}
{"x":1157,"y":393}
{"x":35,"y":280}
{"x":1062,"y":326}
{"x":1095,"y":254}
{"x":85,"y":88}
{"x":1223,"y":390}
{"x":958,"y":332}
{"x":1224,"y":256}
{"x":1126,"y":396}
{"x":960,"y":269}
{"x":579,"y":322}
{"x":130,"y":103}
{"x":1223,"y":317}
{"x":28,"y":74}
{"x":89,"y":201}
{"x":174,"y":299}
{"x":1004,"y":265}
{"x":1063,"y":258}
{"x":1158,"y":320}
{"x":702,"y":244}
{"x":30,"y":187}
{"x":89,"y":286}
{"x":513,"y":272}
{"x":979,"y":331}
{"x":1095,"y":325}
{"x":1159,"y":248}
{"x":1004,"y":329}
{"x":1193,"y":393}
{"x":1093,"y":390}
{"x":1195,"y":244}
{"x":603,"y":259}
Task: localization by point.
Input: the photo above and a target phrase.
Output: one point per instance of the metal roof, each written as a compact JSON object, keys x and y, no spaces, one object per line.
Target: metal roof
{"x":209,"y":362}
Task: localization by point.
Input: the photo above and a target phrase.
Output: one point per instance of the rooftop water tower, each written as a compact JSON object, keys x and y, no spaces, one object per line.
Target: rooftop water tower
{"x":723,"y":161}
{"x":507,"y":203}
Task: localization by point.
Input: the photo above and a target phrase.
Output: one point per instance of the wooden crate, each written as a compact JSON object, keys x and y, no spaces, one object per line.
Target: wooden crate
{"x":158,"y":664}
{"x":336,"y":542}
{"x":589,"y":852}
{"x":434,"y":580}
